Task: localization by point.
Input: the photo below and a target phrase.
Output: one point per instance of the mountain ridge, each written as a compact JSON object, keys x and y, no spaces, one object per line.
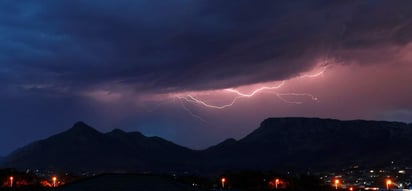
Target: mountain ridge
{"x":73,"y":147}
{"x":278,"y":143}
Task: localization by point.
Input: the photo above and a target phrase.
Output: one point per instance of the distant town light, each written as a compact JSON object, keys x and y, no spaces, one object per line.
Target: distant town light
{"x":402,"y":172}
{"x":223,"y":180}
{"x":54,"y":181}
{"x":337,"y":182}
{"x":371,"y":188}
{"x":11,"y":181}
{"x":388,"y":183}
{"x":276,"y":183}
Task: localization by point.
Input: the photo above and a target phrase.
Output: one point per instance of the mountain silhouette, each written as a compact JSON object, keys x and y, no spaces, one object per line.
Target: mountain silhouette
{"x":302,"y":143}
{"x":84,"y":148}
{"x":279,"y":143}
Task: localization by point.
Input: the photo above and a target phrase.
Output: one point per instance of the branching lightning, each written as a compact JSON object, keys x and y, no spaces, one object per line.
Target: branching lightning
{"x":192,"y":99}
{"x":198,"y":101}
{"x":255,"y":91}
{"x":189,"y":111}
{"x":238,"y":94}
{"x":281,"y":97}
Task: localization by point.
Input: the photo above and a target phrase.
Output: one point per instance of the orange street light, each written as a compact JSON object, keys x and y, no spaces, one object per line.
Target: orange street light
{"x":388,"y":183}
{"x":223,"y":180}
{"x":54,"y":181}
{"x":276,"y":183}
{"x":11,"y":181}
{"x":337,"y":182}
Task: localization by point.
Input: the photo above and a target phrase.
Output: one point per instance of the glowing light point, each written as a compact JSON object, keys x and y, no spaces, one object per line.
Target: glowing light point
{"x":337,"y":182}
{"x":388,"y":183}
{"x":276,"y":183}
{"x":11,"y":181}
{"x":223,"y":180}
{"x":54,"y":181}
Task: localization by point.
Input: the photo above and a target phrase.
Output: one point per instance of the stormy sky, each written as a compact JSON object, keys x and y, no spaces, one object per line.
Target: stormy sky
{"x":193,"y":71}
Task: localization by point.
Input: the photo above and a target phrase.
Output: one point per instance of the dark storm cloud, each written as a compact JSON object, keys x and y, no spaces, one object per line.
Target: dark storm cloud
{"x":67,"y":60}
{"x":186,"y":45}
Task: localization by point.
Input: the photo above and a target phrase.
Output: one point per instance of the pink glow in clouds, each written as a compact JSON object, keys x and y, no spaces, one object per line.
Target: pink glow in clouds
{"x":379,"y":90}
{"x":251,"y":91}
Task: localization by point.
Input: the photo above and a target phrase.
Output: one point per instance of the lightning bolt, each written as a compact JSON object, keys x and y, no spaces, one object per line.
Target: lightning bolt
{"x":191,"y":99}
{"x":281,"y":96}
{"x":315,"y":75}
{"x":213,"y":106}
{"x":255,"y":91}
{"x":190,"y":112}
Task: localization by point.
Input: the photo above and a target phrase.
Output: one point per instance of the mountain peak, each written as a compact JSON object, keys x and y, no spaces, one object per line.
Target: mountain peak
{"x":118,"y":131}
{"x":82,"y":127}
{"x":79,"y":124}
{"x":226,"y":143}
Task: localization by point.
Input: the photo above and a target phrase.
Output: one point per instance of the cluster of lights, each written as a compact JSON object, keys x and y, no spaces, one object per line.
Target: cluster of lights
{"x":388,"y":183}
{"x":223,"y":181}
{"x":11,"y":179}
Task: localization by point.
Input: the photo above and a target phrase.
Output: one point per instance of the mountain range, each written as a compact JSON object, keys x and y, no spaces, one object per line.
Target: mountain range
{"x":278,"y":144}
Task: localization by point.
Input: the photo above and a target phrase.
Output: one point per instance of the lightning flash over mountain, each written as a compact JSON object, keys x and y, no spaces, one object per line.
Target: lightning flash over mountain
{"x":283,"y":96}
